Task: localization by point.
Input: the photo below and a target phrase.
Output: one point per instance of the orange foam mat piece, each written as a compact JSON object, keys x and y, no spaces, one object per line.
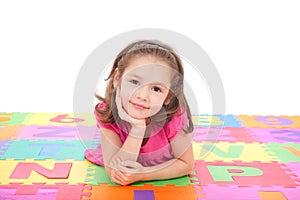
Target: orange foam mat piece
{"x":173,"y":192}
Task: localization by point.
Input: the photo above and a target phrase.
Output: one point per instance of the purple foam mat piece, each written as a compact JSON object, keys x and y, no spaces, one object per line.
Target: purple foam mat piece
{"x":57,"y":132}
{"x":284,"y":135}
{"x":144,"y":195}
{"x":4,"y":145}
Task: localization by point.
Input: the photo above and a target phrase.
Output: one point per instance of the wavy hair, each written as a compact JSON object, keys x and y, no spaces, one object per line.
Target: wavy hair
{"x":176,"y":96}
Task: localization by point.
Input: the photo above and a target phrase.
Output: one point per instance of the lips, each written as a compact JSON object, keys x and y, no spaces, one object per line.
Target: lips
{"x":139,"y":106}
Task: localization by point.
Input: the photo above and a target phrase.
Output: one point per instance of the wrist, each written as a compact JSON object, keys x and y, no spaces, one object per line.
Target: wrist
{"x":137,"y":131}
{"x":147,"y":174}
{"x":139,"y":124}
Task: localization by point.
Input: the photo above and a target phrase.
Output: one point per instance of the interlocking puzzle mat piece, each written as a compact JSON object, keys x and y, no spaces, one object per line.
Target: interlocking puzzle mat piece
{"x":285,"y":152}
{"x":283,"y":135}
{"x":231,"y":151}
{"x":223,"y":135}
{"x":15,"y":118}
{"x":23,"y":170}
{"x":257,"y":121}
{"x":244,"y":174}
{"x":43,"y":171}
{"x":58,"y":133}
{"x":293,"y":167}
{"x":105,"y":191}
{"x":59,"y":119}
{"x":44,"y":149}
{"x":216,"y":121}
{"x":7,"y":132}
{"x":4,"y":145}
{"x":197,"y":188}
{"x":250,"y":193}
{"x":144,"y":194}
{"x":97,"y":175}
{"x":60,"y":191}
{"x":233,"y":144}
{"x":273,"y":195}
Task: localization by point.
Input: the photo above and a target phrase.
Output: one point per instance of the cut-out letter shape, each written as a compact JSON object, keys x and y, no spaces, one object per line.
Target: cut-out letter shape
{"x":226,"y":173}
{"x":65,"y":119}
{"x":24,"y":169}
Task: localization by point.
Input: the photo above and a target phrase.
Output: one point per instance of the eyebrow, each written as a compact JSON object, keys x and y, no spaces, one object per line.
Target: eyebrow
{"x":136,"y":76}
{"x":153,"y":83}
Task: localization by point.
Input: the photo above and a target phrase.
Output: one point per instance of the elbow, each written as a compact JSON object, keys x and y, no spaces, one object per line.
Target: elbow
{"x":189,"y":168}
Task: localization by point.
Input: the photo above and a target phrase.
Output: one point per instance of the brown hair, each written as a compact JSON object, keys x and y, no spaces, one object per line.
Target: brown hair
{"x":176,"y":95}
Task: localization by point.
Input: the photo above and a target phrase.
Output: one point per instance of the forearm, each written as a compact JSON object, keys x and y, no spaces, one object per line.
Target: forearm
{"x":131,"y":147}
{"x":171,"y":169}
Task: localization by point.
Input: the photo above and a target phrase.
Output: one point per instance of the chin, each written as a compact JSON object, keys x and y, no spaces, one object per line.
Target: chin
{"x":137,"y":116}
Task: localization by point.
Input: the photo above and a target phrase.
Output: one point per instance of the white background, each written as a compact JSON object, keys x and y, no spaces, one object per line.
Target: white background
{"x":255,"y":46}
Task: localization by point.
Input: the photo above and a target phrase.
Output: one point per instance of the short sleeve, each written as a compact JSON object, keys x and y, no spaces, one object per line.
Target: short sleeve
{"x":178,"y":122}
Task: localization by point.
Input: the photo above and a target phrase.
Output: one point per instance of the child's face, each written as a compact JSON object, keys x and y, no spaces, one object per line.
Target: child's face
{"x":145,"y":86}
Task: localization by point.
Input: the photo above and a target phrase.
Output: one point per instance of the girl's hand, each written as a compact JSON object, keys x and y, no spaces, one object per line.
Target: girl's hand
{"x":128,"y":172}
{"x":125,"y":116}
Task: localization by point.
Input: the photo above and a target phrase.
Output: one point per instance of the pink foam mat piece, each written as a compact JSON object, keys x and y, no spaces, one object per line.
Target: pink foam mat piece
{"x":246,"y":193}
{"x":294,"y":167}
{"x":14,"y":192}
{"x":283,"y":135}
{"x":59,"y":191}
{"x":224,"y":134}
{"x":272,"y":174}
{"x":23,"y":170}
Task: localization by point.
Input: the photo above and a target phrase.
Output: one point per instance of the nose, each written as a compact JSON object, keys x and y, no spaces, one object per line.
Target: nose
{"x":142,"y":93}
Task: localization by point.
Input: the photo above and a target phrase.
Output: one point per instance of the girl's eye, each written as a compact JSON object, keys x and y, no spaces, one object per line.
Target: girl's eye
{"x":156,"y":89}
{"x":135,"y":82}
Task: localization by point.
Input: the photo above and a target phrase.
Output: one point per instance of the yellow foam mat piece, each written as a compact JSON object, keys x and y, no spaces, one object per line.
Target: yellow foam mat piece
{"x":227,"y":152}
{"x":283,"y":121}
{"x":76,"y":175}
{"x":60,"y":119}
{"x":271,"y":195}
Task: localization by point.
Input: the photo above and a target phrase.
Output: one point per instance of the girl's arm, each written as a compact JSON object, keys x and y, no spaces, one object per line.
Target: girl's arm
{"x":181,"y":165}
{"x":114,"y":152}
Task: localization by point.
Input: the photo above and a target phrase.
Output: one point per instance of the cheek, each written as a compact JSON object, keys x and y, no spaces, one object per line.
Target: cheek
{"x":158,"y":102}
{"x":125,"y":91}
{"x":124,"y":96}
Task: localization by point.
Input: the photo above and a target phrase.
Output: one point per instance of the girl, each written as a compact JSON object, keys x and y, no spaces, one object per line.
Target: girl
{"x":144,"y":117}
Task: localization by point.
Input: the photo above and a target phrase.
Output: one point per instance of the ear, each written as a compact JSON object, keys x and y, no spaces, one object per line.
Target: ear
{"x":167,"y":101}
{"x":116,"y":78}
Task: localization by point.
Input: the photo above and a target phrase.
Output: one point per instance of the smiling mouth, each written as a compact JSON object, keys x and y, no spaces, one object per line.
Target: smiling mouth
{"x":138,"y":106}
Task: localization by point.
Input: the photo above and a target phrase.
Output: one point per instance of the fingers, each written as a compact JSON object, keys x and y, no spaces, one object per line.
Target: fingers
{"x":127,"y":170}
{"x":121,"y":111}
{"x":120,"y":178}
{"x":115,"y":178}
{"x":127,"y":173}
{"x":130,"y":164}
{"x":124,"y":115}
{"x":119,"y":104}
{"x":131,"y":167}
{"x":115,"y":163}
{"x":118,"y":100}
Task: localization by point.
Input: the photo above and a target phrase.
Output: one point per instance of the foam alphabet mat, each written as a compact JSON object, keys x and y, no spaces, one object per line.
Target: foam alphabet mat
{"x":250,"y":157}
